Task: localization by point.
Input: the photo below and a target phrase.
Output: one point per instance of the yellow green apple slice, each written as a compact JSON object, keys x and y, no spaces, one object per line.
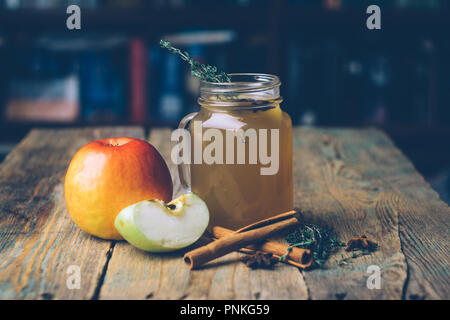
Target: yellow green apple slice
{"x":156,"y":226}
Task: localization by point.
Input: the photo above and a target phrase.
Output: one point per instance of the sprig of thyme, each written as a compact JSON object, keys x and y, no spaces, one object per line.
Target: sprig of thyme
{"x":199,"y":70}
{"x":320,"y":240}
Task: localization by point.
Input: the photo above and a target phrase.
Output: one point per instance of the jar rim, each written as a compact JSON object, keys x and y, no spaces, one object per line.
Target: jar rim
{"x":247,"y":82}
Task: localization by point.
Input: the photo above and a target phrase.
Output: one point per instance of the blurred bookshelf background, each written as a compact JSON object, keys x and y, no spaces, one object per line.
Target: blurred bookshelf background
{"x":335,"y":72}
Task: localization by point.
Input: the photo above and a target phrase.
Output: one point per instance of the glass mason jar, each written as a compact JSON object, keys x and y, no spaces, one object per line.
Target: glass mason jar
{"x":241,"y":150}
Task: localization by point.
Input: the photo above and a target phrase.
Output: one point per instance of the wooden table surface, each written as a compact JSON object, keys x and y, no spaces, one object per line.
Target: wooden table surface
{"x":356,"y":181}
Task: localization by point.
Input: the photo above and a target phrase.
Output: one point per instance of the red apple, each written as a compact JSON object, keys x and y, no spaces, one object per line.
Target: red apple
{"x":105,"y":176}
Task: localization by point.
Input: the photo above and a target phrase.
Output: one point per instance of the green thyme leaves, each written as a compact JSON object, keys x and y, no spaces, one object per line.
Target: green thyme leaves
{"x":199,"y":70}
{"x":320,"y":240}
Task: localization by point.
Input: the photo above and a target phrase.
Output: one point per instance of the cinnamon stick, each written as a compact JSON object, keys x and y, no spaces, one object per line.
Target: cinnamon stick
{"x":298,"y":257}
{"x":273,"y":219}
{"x":235,"y":241}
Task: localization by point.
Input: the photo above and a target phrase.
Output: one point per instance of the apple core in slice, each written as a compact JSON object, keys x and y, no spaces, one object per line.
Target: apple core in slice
{"x":158,"y":227}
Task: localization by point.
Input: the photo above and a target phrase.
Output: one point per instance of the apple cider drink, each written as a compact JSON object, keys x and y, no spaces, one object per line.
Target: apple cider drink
{"x":241,"y":150}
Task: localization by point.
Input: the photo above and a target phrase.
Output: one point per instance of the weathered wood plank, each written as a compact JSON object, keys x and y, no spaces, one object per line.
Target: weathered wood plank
{"x":133,"y":274}
{"x":354,"y":180}
{"x":358,"y":182}
{"x":38,"y":240}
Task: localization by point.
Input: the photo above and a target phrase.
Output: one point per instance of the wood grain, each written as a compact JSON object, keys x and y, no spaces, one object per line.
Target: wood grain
{"x":355,"y":181}
{"x":38,"y":241}
{"x":133,"y":274}
{"x":359,"y":183}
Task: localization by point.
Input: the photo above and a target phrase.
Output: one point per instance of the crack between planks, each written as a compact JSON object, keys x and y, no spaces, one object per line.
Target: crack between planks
{"x":101,"y":278}
{"x":408,"y":268}
{"x":407,"y":279}
{"x":308,"y":290}
{"x":147,"y":132}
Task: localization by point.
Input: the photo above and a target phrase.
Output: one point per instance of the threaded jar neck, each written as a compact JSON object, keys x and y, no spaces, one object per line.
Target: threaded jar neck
{"x":246,"y":90}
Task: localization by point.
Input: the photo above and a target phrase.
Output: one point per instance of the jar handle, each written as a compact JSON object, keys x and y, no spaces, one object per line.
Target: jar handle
{"x":182,"y":166}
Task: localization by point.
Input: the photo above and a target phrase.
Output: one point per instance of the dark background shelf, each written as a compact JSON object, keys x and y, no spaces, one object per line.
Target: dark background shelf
{"x":134,"y":21}
{"x":142,"y":20}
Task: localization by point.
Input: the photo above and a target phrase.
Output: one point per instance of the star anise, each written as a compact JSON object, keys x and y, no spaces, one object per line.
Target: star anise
{"x":260,"y":259}
{"x":361,"y":243}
